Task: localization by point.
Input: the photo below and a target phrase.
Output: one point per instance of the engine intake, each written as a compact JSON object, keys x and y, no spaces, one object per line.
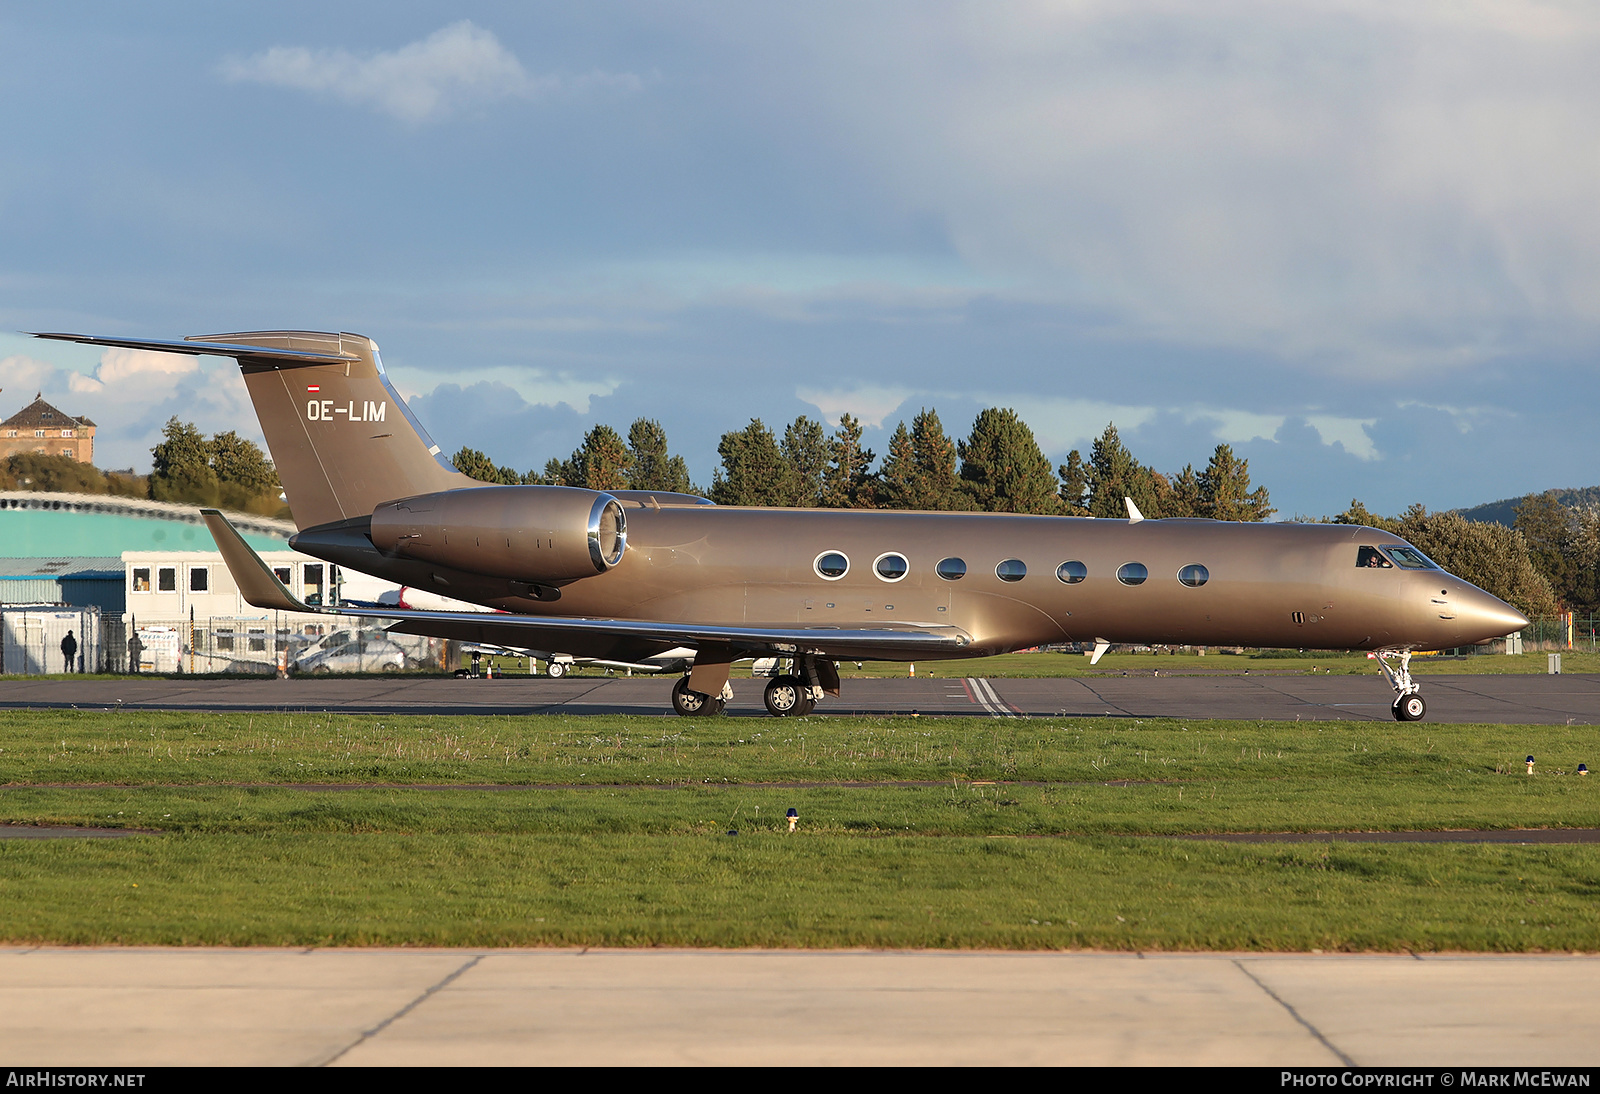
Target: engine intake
{"x":540,"y":534}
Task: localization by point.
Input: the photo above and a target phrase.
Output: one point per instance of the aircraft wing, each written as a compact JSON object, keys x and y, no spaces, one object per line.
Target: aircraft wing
{"x":591,"y":637}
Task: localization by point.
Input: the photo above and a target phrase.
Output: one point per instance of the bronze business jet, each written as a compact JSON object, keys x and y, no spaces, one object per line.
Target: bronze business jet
{"x":625,"y":576}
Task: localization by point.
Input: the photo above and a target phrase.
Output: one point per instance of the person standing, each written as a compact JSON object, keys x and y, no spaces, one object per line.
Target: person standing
{"x":135,"y":652}
{"x":69,"y":650}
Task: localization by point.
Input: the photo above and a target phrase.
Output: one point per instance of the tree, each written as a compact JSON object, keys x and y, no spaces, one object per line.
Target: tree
{"x":848,"y":482}
{"x":1224,"y":489}
{"x":601,"y":462}
{"x":1002,"y":469}
{"x":242,"y":463}
{"x":753,"y":470}
{"x":1074,"y":492}
{"x":474,"y":464}
{"x":805,"y":450}
{"x":1549,"y":528}
{"x":920,"y":470}
{"x":182,"y":467}
{"x":1113,"y":474}
{"x":653,"y":468}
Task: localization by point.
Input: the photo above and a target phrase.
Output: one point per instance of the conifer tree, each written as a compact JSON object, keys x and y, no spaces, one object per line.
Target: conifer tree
{"x":1225,"y":492}
{"x":1002,"y":469}
{"x":753,"y":471}
{"x":805,"y":450}
{"x":653,"y":467}
{"x":601,"y":462}
{"x":848,"y":482}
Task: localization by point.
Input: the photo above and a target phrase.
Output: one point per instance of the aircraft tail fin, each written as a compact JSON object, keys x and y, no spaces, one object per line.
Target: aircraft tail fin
{"x":342,"y":438}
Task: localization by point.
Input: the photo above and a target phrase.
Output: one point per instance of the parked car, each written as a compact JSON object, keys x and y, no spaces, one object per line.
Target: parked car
{"x":349,"y":651}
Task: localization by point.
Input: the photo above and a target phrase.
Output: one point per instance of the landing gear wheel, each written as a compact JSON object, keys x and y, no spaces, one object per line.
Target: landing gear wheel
{"x":691,"y":704}
{"x":785,"y":696}
{"x":1410,"y":708}
{"x":811,"y":703}
{"x":556,"y":669}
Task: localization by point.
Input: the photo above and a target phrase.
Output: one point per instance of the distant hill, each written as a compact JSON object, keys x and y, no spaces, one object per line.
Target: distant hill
{"x":1504,"y":511}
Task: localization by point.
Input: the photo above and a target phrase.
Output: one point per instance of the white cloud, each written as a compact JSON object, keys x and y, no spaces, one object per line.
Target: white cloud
{"x":1349,"y":432}
{"x":871,"y":404}
{"x":1355,"y":186}
{"x":153,"y":370}
{"x":453,"y":67}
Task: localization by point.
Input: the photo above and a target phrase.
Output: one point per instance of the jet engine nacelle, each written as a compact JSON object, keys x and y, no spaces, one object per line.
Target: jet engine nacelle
{"x":543,"y":535}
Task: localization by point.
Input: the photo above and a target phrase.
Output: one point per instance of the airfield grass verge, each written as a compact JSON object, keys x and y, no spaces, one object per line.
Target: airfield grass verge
{"x":613,"y":830}
{"x":779,"y":891}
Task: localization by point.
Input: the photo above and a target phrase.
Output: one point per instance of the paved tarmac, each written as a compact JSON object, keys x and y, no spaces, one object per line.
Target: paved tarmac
{"x":1522,"y":699}
{"x":136,"y":1007}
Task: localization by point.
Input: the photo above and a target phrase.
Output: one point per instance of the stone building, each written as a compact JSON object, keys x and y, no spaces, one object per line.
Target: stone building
{"x":40,"y":427}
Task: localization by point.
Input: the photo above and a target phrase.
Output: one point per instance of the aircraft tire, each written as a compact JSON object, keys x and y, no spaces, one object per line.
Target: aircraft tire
{"x":785,"y":697}
{"x":691,"y":704}
{"x":811,"y":704}
{"x":1410,"y":708}
{"x":556,"y":669}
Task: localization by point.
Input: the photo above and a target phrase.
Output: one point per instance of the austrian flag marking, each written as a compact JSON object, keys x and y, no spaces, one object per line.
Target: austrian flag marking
{"x":313,"y":387}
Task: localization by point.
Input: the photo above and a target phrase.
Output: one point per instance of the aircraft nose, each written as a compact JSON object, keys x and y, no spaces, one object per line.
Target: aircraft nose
{"x":1485,"y":615}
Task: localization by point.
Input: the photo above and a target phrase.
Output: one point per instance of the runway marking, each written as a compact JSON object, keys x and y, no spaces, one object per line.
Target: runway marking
{"x":983,"y":693}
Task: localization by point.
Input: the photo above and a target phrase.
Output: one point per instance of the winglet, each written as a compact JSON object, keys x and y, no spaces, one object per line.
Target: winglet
{"x":1100,"y":645}
{"x":1134,"y":516}
{"x":257,"y":583}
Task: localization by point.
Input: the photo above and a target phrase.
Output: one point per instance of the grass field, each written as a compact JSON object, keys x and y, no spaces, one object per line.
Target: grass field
{"x":613,"y":830}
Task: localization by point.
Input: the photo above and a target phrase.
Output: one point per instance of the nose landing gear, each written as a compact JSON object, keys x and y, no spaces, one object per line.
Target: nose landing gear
{"x":1409,"y":706}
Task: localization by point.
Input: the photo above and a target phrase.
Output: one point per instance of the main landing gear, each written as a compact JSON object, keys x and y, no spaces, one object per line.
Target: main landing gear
{"x":791,"y":695}
{"x":788,"y":697}
{"x":691,"y":704}
{"x":1409,"y":706}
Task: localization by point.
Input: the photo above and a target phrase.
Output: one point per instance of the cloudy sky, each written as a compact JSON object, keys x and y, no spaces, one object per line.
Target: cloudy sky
{"x":1359,"y":241}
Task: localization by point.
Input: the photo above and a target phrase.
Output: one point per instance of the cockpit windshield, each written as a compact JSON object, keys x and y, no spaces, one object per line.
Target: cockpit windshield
{"x":1372,"y":557}
{"x":1409,"y":558}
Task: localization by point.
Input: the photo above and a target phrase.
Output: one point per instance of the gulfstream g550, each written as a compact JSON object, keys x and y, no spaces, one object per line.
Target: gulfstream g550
{"x":626,"y":575}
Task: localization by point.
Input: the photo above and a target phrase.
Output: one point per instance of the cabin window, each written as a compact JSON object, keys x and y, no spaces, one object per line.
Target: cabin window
{"x":1133,"y":573}
{"x":891,"y":567}
{"x":831,"y":565}
{"x":312,"y":575}
{"x":1409,"y":558}
{"x":225,"y":639}
{"x":1012,"y":569}
{"x":951,"y":569}
{"x":1194,"y":575}
{"x":1071,"y":573}
{"x":167,"y":579}
{"x":141,"y":579}
{"x":258,"y":639}
{"x":199,"y":579}
{"x":1371,"y":556}
{"x":282,"y":574}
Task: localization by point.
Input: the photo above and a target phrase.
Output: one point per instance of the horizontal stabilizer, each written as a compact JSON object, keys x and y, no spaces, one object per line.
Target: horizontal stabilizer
{"x":196,"y":348}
